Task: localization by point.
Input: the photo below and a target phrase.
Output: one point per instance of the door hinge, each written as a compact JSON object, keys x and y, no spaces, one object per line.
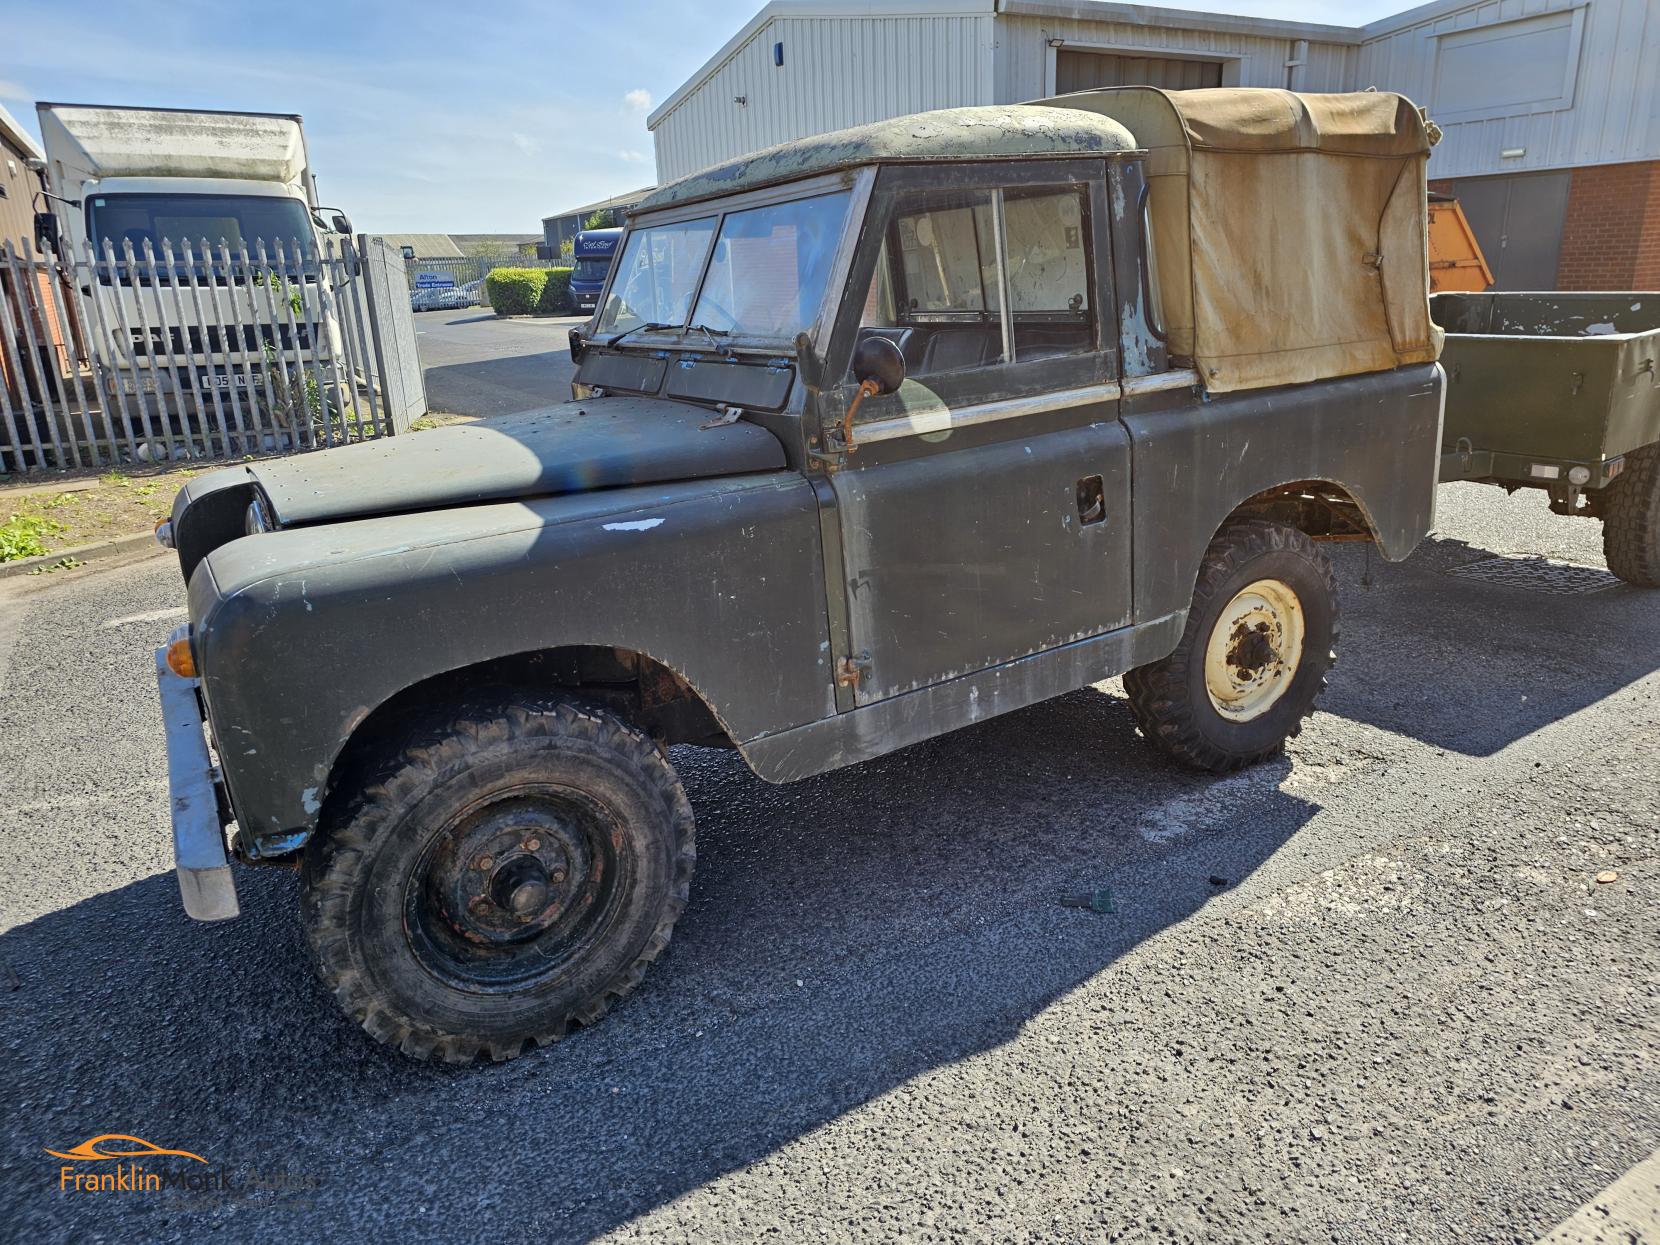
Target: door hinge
{"x":850,"y":670}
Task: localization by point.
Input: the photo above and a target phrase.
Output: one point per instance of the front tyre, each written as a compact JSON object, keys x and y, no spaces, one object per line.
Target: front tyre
{"x":1253,"y":657}
{"x":497,"y":882}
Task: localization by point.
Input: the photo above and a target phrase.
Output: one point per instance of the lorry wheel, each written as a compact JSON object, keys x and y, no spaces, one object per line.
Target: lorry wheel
{"x":499,"y":880}
{"x":1631,"y":519}
{"x":1253,"y":657}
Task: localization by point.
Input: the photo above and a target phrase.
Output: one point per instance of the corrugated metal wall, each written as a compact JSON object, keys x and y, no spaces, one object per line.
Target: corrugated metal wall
{"x":1023,"y":53}
{"x":837,"y":71}
{"x":844,"y":70}
{"x":1615,"y":102}
{"x":17,"y":189}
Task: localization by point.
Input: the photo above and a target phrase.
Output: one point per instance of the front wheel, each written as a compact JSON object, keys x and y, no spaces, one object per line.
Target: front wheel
{"x":500,"y":880}
{"x":1631,"y":519}
{"x":1253,"y":657}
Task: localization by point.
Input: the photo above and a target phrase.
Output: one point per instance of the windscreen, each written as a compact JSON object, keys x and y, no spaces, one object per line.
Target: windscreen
{"x":237,"y":220}
{"x":657,"y":274}
{"x":591,"y":271}
{"x":770,"y":266}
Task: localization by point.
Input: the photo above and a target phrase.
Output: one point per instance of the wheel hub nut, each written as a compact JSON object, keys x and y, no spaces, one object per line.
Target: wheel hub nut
{"x":520,"y":886}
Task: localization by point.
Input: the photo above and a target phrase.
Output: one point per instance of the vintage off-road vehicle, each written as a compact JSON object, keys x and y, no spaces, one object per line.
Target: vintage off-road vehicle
{"x":875,"y":435}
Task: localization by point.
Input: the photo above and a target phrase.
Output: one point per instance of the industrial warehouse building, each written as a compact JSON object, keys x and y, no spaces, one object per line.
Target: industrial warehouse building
{"x":1550,"y":108}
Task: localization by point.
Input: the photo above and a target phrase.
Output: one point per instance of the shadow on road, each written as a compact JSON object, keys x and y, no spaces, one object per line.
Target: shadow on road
{"x":846,"y":935}
{"x":1512,"y":660}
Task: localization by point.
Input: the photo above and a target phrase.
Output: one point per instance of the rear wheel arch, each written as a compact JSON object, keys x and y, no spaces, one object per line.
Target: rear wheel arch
{"x":1326,"y":511}
{"x":1322,"y":509}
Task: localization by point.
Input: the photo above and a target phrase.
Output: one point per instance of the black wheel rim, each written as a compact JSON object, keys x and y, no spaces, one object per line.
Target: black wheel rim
{"x":517,"y":890}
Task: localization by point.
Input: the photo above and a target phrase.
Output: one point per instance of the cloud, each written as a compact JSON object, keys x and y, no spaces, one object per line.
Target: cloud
{"x":639,"y":99}
{"x":525,"y":143}
{"x":632,"y":157}
{"x":16,"y":90}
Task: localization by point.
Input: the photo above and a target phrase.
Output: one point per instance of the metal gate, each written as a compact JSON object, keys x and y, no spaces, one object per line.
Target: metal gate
{"x":193,"y":349}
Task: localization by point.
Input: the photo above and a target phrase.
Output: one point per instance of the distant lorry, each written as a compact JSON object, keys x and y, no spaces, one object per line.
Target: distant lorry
{"x":593,"y":251}
{"x":158,"y":179}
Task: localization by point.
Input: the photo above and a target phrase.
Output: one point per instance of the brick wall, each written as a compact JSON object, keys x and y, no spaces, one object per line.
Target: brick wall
{"x":1611,"y":239}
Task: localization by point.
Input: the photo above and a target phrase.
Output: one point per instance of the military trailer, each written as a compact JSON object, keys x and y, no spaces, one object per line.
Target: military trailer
{"x":1561,"y":393}
{"x":875,"y":435}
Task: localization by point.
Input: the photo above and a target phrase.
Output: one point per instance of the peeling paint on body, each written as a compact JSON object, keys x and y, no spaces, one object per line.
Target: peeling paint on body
{"x":633,"y":525}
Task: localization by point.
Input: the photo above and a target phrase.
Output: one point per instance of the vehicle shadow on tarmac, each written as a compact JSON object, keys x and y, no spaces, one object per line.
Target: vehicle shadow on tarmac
{"x":846,"y":934}
{"x":1508,"y":659}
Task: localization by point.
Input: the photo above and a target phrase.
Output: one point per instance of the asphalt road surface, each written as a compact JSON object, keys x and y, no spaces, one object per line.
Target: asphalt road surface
{"x":475,"y":364}
{"x":1370,"y":992}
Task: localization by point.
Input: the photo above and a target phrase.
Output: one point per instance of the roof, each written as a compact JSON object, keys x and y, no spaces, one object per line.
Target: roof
{"x":1156,"y":17}
{"x":1260,"y":120}
{"x":18,"y":137}
{"x":98,"y":141}
{"x":462,"y":239}
{"x":615,"y":201}
{"x":425,"y":245}
{"x":1003,"y":131}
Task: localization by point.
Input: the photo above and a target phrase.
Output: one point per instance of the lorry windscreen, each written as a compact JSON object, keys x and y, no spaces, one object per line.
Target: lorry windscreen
{"x":237,"y":220}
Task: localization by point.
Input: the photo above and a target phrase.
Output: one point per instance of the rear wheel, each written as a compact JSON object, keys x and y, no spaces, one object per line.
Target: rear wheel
{"x":1631,"y":519}
{"x":494,"y":884}
{"x":1253,"y":657}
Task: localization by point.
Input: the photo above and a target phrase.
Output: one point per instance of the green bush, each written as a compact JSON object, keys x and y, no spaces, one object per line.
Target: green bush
{"x":556,"y":294}
{"x":515,"y":291}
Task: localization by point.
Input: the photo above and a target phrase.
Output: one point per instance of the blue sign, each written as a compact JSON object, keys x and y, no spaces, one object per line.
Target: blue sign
{"x":434,"y":281}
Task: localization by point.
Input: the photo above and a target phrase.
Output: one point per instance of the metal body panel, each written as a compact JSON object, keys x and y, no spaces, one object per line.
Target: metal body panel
{"x":969,"y":557}
{"x":598,"y":443}
{"x":1549,"y":379}
{"x":873,"y":730}
{"x":204,"y":872}
{"x":1377,"y":435}
{"x":302,"y":634}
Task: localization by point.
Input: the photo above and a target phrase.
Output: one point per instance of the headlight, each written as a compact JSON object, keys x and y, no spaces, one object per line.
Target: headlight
{"x":257,"y":519}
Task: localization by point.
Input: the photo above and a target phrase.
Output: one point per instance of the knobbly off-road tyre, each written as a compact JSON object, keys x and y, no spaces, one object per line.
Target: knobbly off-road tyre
{"x":498,"y":880}
{"x":1630,"y":508}
{"x":1227,"y":697}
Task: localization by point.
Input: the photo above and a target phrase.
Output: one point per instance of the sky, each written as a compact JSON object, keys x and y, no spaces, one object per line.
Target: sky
{"x":425,"y":116}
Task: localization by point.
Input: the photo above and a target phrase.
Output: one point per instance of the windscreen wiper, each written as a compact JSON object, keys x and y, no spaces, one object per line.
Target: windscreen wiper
{"x":638,"y":328}
{"x":714,"y":336}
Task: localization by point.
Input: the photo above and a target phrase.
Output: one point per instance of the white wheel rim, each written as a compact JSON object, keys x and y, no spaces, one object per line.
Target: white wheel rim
{"x":1254,"y":650}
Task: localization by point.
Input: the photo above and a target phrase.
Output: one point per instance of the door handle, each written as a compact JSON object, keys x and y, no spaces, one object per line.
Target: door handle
{"x":1092,"y":500}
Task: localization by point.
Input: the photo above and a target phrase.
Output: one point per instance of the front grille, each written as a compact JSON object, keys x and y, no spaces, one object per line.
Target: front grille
{"x":236,"y":338}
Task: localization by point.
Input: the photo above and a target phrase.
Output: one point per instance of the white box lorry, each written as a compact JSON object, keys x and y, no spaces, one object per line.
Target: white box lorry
{"x":222,"y":183}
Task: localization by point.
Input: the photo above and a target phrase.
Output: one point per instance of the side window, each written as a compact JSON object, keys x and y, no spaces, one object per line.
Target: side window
{"x":1049,"y":276}
{"x":938,"y":289}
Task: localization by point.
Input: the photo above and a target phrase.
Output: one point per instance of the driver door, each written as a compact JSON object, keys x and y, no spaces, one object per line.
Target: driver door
{"x":983,"y":512}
